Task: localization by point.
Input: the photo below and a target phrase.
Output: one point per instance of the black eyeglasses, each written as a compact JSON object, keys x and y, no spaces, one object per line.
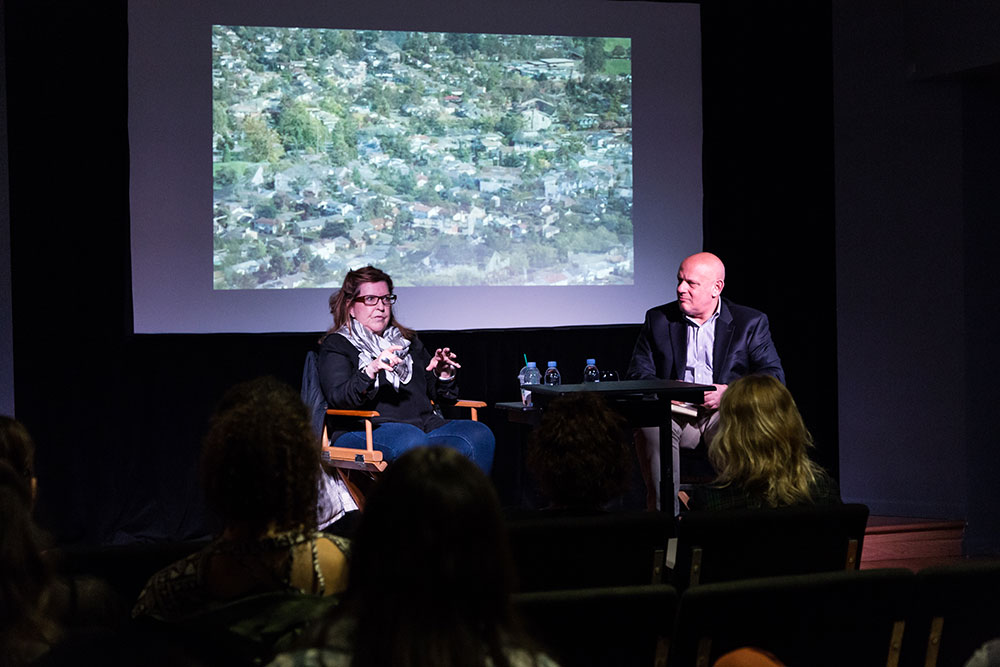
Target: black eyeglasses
{"x":371,"y":299}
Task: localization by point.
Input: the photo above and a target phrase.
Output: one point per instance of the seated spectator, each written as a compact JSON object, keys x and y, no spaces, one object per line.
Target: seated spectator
{"x":369,"y":361}
{"x":18,"y":450}
{"x":28,"y":627}
{"x":431,"y":575}
{"x":72,"y":603}
{"x":259,"y":469}
{"x":580,"y":453}
{"x":761,"y":453}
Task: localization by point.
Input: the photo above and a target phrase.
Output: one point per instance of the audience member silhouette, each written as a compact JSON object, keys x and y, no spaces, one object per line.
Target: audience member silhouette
{"x":28,"y":627}
{"x":18,"y":450}
{"x":259,"y":470}
{"x":761,"y":452}
{"x":580,"y":454}
{"x":39,"y":603}
{"x":431,"y":575}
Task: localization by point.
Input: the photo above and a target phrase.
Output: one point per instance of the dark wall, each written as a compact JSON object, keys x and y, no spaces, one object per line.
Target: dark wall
{"x":981,"y":194}
{"x":118,"y":417}
{"x":900,"y":279}
{"x":768,"y":208}
{"x":917,"y":176}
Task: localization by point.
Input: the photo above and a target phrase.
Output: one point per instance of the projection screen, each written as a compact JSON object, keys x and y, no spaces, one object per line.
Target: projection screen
{"x":508,"y":164}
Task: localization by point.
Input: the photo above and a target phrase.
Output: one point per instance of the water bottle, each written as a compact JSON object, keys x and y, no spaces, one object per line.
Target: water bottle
{"x":528,"y":375}
{"x":590,"y":372}
{"x":552,"y":375}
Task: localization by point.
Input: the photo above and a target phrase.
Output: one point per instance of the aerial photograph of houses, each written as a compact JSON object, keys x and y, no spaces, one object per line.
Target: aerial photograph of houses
{"x":442,"y":158}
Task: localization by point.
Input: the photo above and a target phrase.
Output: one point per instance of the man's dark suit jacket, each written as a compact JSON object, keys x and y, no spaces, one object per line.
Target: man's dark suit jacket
{"x":742,"y":345}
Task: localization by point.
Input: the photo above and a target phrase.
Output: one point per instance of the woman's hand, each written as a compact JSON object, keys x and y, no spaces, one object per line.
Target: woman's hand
{"x":443,"y":363}
{"x":386,"y":360}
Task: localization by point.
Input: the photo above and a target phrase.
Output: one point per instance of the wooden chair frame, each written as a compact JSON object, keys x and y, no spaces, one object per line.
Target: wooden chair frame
{"x":369,"y":458}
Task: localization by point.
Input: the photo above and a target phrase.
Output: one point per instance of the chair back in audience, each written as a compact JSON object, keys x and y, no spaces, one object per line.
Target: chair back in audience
{"x":124,"y":567}
{"x":956,"y":610}
{"x":830,"y":619}
{"x":739,"y":544}
{"x":621,"y":626}
{"x":608,"y":549}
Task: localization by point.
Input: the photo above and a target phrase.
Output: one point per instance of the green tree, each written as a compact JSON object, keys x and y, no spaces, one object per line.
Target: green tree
{"x":376,"y":207}
{"x":263,"y":143}
{"x":417,"y":46}
{"x":334,"y":229}
{"x":541,"y":256}
{"x":594,"y":55}
{"x":491,"y":46}
{"x":256,"y":250}
{"x":509,"y":125}
{"x":279,"y":264}
{"x":220,"y":118}
{"x":396,"y":146}
{"x":498,"y":239}
{"x":343,"y":141}
{"x":265,"y":210}
{"x":298,"y":128}
{"x":317,"y":265}
{"x":458,"y":43}
{"x":225,"y":175}
{"x":303,"y":256}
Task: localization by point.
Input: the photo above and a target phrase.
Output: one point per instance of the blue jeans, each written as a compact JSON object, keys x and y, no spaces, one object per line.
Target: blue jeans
{"x":474,"y":439}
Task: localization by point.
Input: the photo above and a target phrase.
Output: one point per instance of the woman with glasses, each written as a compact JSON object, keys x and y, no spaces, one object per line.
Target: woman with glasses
{"x":369,"y":361}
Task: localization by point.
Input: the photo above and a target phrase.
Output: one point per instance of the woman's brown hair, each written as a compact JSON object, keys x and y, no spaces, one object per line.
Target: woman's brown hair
{"x":341,"y":300}
{"x":762,"y":444}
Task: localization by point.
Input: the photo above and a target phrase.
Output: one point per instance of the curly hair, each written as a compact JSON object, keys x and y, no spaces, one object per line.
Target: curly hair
{"x":16,"y":447}
{"x":260,"y":461}
{"x":762,"y":444}
{"x":580,"y":454}
{"x":25,"y":576}
{"x":341,"y":300}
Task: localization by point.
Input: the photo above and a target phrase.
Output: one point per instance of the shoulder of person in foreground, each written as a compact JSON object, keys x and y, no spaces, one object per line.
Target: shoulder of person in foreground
{"x":334,"y":557}
{"x":168,"y":590}
{"x":525,"y":658}
{"x":337,"y":640}
{"x":313,"y":657}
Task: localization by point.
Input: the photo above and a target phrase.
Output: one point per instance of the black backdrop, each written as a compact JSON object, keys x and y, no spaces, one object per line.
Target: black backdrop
{"x":118,"y":417}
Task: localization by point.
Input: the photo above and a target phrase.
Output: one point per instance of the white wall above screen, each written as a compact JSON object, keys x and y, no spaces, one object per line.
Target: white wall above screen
{"x":176,"y":287}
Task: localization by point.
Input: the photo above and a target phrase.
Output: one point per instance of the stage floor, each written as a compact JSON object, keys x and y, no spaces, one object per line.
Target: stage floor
{"x":911,"y":543}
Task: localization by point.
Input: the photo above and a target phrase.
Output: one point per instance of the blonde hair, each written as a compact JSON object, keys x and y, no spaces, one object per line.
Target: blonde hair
{"x":762,"y":443}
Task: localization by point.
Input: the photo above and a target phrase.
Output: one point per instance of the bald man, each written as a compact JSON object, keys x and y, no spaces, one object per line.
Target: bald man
{"x":700,"y":338}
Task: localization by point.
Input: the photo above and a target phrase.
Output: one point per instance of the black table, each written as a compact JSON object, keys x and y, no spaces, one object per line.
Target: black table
{"x":641,"y":402}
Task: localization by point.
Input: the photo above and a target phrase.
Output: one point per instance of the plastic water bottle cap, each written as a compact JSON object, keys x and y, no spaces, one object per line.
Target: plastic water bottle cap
{"x":552,"y":364}
{"x":591,"y":362}
{"x":532,"y":364}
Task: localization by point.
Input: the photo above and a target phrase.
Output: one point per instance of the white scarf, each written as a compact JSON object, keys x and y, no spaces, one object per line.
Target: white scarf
{"x":370,"y":345}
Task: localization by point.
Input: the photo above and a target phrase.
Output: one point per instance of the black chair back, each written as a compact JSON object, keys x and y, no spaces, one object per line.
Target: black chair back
{"x":739,"y":544}
{"x":608,"y":549}
{"x":601,"y":627}
{"x":830,"y":619}
{"x":124,"y":567}
{"x":955,"y":612}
